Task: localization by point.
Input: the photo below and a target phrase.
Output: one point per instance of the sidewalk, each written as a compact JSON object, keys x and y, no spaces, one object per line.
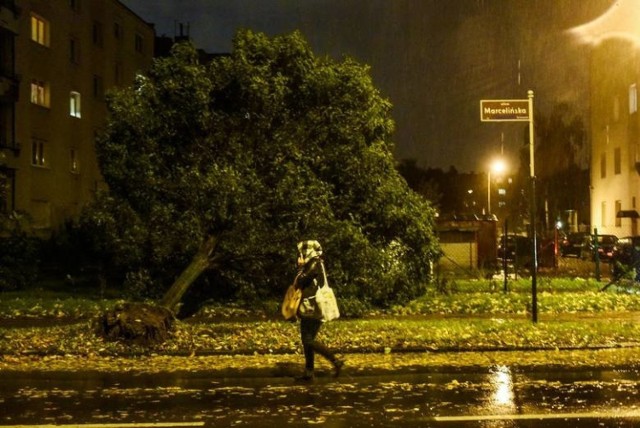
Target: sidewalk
{"x":285,"y":365}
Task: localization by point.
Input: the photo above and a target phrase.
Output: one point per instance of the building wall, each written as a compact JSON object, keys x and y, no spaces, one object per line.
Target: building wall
{"x":615,"y":160}
{"x":90,"y":47}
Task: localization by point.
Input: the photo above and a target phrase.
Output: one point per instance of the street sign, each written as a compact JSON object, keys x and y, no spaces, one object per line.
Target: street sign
{"x":504,"y":110}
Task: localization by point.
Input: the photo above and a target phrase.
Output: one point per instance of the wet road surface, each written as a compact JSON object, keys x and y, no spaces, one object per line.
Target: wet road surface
{"x":498,"y":397}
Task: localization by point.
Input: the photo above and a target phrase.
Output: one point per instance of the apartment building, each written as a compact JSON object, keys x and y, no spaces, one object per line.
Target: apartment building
{"x":58,"y":58}
{"x":615,"y":125}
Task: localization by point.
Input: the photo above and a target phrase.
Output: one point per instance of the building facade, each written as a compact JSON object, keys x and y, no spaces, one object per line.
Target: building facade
{"x":615,"y":151}
{"x":58,"y":59}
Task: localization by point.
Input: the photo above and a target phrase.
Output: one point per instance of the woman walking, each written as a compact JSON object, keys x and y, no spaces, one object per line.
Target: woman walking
{"x":311,"y":276}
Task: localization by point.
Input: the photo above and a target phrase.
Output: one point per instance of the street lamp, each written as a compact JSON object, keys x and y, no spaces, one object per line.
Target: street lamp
{"x":497,"y":167}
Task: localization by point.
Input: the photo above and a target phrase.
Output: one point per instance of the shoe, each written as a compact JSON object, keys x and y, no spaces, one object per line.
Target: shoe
{"x":306,"y":377}
{"x":337,"y":367}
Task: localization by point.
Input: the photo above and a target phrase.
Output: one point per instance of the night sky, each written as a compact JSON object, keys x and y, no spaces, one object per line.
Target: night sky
{"x":434,"y":59}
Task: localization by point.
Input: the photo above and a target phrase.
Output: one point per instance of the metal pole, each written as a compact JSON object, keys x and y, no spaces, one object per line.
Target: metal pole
{"x":534,"y":273}
{"x":489,"y":192}
{"x":504,"y":254}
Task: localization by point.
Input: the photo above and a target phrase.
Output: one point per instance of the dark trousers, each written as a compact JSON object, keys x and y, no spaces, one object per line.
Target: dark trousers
{"x":309,"y":328}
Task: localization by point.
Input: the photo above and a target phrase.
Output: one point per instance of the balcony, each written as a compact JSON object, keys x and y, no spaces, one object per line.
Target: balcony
{"x":9,"y":87}
{"x":7,"y":144}
{"x":9,"y":14}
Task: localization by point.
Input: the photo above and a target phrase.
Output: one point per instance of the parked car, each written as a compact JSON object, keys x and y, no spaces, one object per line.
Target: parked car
{"x":625,"y":257}
{"x":606,"y":244}
{"x":574,"y":244}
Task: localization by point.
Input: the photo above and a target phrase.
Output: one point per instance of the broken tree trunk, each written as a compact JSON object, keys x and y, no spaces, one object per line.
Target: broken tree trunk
{"x":148,"y":325}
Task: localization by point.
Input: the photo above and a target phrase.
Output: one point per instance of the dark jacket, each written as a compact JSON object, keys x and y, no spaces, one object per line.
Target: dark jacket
{"x":310,"y":277}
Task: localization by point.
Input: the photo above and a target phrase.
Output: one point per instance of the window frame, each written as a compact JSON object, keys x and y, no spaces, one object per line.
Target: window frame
{"x":75,"y":104}
{"x":40,"y":30}
{"x":38,"y":153}
{"x":40,"y":93}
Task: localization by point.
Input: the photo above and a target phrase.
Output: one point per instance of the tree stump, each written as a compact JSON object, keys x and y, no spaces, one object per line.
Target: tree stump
{"x":136,"y":323}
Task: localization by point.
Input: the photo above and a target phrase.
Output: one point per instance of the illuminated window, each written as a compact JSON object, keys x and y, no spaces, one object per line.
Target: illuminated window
{"x":74,"y":104}
{"x":39,"y":30}
{"x":38,"y":153}
{"x":73,"y":161}
{"x":40,"y":93}
{"x":633,"y":99}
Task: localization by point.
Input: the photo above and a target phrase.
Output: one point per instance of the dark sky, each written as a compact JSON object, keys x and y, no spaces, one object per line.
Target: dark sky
{"x":434,"y":59}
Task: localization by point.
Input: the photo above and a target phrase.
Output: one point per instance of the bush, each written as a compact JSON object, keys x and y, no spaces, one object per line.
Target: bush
{"x":18,"y":253}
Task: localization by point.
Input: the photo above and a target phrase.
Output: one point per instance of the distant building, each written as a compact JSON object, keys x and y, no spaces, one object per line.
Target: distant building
{"x":58,"y":58}
{"x":615,"y":124}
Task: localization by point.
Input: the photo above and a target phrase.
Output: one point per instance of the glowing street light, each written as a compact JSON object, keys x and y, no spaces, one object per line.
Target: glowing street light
{"x":498,"y":166}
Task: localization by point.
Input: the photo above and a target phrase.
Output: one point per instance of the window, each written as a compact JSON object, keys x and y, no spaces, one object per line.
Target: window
{"x":616,"y":108}
{"x":97,"y":33}
{"x":118,"y":73}
{"x":74,"y":4}
{"x":603,"y":165}
{"x":98,"y":87}
{"x":618,"y":209}
{"x":73,"y":161}
{"x":38,"y":153}
{"x":633,"y":98}
{"x":40,"y":93}
{"x":74,"y":50}
{"x":617,"y":168}
{"x":139,"y":43}
{"x":39,"y":30}
{"x":117,"y":30}
{"x":74,"y":104}
{"x":603,"y":214}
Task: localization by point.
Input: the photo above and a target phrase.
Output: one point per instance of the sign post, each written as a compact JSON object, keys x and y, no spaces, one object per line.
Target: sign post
{"x":520,"y":111}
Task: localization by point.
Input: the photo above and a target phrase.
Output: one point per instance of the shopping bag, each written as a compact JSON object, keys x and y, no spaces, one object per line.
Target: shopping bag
{"x":291,"y":302}
{"x":326,"y":301}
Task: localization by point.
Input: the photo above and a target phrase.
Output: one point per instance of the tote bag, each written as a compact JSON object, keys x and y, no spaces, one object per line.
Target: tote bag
{"x":326,"y":300}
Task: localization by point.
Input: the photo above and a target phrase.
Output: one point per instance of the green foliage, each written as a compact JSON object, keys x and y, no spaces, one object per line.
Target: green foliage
{"x":19,"y":253}
{"x":259,"y":149}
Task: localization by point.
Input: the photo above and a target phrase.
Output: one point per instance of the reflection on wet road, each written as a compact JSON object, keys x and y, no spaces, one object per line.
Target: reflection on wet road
{"x":495,"y":398}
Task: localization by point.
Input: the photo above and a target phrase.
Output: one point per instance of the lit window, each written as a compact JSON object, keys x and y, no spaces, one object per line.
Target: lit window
{"x":37,"y":153}
{"x":39,"y":30}
{"x":73,"y":161}
{"x":74,"y":104}
{"x":633,"y":99}
{"x":40,"y":93}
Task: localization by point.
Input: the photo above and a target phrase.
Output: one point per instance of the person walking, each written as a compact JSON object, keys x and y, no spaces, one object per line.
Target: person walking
{"x":311,"y":276}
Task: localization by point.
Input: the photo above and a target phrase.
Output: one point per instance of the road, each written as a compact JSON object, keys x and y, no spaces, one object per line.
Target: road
{"x":498,"y":397}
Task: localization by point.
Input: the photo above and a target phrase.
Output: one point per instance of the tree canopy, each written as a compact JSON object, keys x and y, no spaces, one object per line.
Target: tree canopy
{"x":223,"y":167}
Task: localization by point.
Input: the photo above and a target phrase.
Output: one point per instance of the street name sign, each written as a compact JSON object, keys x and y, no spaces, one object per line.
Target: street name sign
{"x":504,"y":110}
